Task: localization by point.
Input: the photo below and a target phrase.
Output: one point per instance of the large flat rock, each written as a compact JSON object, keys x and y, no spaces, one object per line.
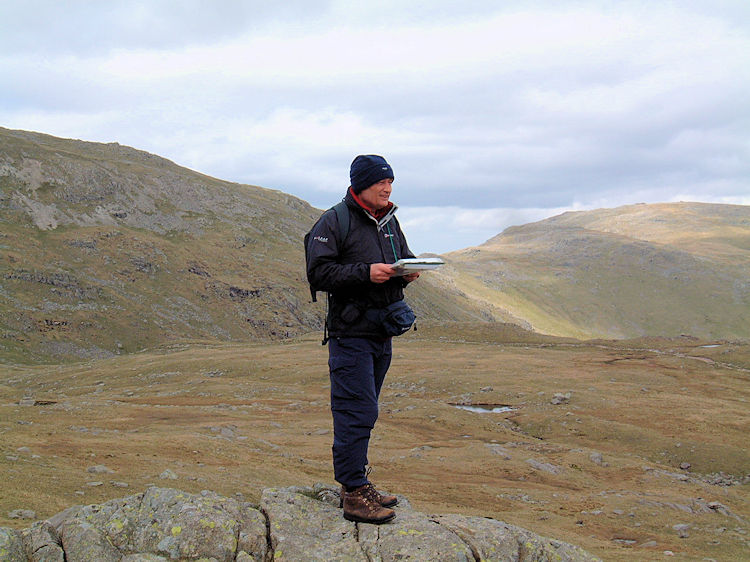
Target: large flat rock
{"x":297,"y":523}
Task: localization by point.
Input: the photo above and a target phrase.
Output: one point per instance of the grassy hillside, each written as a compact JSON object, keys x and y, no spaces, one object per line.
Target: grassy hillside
{"x":105,"y":249}
{"x":665,"y":269}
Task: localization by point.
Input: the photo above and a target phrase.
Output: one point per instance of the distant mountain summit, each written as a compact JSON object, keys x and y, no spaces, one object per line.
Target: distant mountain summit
{"x":664,"y":269}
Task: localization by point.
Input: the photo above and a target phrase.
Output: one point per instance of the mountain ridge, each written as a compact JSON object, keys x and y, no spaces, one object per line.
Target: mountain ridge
{"x":106,"y":249}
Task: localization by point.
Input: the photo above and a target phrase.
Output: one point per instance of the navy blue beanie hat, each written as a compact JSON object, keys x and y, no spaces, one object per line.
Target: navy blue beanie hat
{"x":367,"y":170}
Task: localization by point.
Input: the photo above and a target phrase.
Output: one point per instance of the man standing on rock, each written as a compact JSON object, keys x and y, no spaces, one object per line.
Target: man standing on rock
{"x":354,"y":267}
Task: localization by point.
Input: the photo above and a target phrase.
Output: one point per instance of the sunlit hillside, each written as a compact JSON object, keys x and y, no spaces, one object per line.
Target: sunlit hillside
{"x":661,"y":269}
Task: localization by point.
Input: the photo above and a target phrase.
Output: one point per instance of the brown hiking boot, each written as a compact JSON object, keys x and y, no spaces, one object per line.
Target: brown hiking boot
{"x":361,"y":507}
{"x":382,"y":499}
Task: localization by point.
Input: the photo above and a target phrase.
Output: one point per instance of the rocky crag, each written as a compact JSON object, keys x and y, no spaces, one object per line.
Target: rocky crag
{"x":298,"y":523}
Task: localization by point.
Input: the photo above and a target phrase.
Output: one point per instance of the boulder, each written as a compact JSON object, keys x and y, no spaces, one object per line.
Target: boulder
{"x":297,"y":523}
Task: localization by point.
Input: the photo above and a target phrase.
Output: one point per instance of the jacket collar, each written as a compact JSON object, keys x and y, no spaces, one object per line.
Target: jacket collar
{"x":378,"y":214}
{"x":381,"y":216}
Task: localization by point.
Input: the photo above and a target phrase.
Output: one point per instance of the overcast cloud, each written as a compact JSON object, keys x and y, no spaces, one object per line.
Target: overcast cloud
{"x":490,"y":115}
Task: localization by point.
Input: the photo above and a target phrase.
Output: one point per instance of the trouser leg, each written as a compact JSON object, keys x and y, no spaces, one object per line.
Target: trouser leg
{"x":357,"y":371}
{"x":381,"y":362}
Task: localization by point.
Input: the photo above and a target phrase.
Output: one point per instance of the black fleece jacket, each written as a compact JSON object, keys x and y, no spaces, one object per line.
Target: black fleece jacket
{"x":342,"y":267}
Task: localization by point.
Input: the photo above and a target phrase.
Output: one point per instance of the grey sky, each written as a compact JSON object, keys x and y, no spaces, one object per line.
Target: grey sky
{"x":490,"y":116}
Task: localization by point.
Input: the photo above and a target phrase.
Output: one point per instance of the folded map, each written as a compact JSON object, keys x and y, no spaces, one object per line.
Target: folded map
{"x":410,"y":265}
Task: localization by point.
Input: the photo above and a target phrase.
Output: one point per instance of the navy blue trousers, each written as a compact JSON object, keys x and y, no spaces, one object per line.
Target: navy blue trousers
{"x":357,"y":370}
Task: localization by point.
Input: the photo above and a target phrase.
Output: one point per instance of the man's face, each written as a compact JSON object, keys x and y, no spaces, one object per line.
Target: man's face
{"x":376,"y":196}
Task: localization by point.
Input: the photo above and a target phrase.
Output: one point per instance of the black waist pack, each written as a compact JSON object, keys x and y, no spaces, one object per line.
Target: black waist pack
{"x":395,"y":319}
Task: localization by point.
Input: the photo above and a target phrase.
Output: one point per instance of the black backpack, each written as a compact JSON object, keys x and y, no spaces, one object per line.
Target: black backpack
{"x":342,"y":213}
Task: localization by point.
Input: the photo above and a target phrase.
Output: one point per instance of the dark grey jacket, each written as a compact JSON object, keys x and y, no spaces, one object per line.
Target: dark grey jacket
{"x":342,"y":267}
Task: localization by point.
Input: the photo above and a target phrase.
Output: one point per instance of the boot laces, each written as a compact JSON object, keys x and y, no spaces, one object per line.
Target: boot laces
{"x":371,"y":493}
{"x":371,"y":503}
{"x":370,"y":488}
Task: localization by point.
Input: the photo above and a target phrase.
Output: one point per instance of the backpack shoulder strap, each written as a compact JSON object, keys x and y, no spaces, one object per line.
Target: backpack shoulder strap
{"x":342,"y":213}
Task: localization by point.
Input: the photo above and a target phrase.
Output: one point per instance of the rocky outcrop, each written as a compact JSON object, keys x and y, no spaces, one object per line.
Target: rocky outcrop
{"x":296,"y":523}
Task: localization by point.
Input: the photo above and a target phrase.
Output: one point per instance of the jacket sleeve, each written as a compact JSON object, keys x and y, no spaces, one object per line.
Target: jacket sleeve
{"x":324,"y":272}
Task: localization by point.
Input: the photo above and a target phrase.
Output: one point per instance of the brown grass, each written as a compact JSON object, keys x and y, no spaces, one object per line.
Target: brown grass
{"x":239,"y":418}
